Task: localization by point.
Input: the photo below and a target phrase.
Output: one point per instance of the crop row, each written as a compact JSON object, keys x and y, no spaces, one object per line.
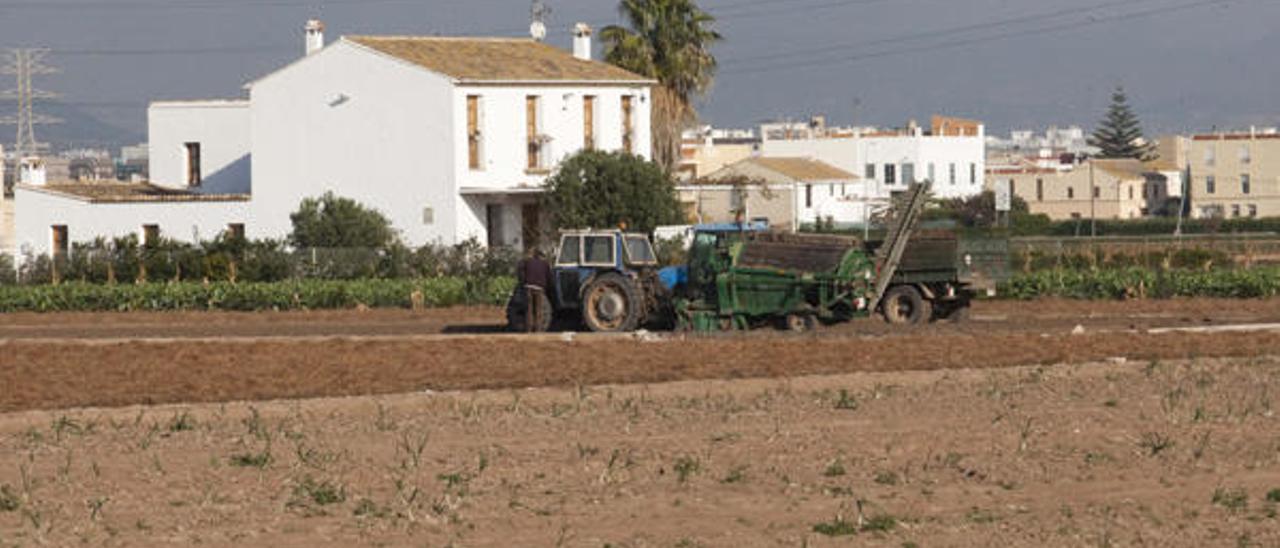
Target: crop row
{"x":1142,"y":283}
{"x":286,"y":295}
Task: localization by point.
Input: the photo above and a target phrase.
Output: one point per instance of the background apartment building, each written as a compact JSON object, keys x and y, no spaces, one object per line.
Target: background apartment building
{"x":1122,"y":189}
{"x":1235,"y":174}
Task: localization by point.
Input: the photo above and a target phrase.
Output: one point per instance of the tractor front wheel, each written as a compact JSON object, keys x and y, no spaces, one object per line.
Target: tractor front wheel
{"x":611,"y":305}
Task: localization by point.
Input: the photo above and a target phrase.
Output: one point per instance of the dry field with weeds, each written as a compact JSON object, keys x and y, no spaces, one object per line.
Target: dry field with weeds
{"x":1133,"y":453}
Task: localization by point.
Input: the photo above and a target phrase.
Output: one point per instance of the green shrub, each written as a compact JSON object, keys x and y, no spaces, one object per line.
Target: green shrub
{"x":1144,"y":283}
{"x":286,"y":295}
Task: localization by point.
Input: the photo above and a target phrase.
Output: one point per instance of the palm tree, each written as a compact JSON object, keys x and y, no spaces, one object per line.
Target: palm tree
{"x":669,"y":41}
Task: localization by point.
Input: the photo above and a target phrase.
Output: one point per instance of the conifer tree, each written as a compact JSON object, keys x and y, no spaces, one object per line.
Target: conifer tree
{"x":1119,"y":134}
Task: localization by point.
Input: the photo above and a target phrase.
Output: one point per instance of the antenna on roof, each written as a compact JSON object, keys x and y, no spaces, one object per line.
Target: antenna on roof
{"x":539,"y":13}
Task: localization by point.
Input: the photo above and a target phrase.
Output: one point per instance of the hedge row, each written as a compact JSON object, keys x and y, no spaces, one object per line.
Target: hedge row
{"x":286,"y":295}
{"x":1141,"y":283}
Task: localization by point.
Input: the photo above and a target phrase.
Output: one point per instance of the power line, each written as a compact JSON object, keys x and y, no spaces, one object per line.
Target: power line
{"x":1093,"y":20}
{"x":952,"y":31}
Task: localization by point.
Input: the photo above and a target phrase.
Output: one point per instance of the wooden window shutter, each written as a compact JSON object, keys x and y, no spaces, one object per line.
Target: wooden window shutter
{"x":531,"y":116}
{"x":473,"y":131}
{"x":626,"y":123}
{"x":589,"y":122}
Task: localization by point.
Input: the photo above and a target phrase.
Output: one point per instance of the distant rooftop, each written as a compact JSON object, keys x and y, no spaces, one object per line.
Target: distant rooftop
{"x":119,"y":193}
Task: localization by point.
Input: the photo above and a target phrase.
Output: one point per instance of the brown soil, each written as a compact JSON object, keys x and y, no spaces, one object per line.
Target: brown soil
{"x":1135,"y":454}
{"x":1004,"y":315}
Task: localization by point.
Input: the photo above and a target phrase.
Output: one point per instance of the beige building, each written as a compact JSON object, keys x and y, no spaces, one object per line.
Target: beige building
{"x":702,"y":157}
{"x":1122,"y":189}
{"x":787,"y":192}
{"x":1235,"y":175}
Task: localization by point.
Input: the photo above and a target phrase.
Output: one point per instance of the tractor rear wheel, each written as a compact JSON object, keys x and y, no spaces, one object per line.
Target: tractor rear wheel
{"x":611,"y":305}
{"x":904,"y":305}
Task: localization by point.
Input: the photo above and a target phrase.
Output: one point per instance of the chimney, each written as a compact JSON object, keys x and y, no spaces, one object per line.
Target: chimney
{"x":315,"y":36}
{"x":582,"y":41}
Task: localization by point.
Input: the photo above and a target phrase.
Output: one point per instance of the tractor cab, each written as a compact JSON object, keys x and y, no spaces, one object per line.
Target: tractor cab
{"x":608,"y":276}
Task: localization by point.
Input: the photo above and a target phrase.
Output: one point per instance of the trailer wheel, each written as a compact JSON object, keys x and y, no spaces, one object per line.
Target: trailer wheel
{"x":610,"y":304}
{"x":903,"y":304}
{"x":800,"y":323}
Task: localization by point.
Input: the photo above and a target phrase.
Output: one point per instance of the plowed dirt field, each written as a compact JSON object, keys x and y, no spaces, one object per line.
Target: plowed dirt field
{"x":1168,"y":453}
{"x":1051,"y":423}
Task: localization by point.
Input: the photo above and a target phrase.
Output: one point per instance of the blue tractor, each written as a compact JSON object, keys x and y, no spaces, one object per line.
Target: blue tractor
{"x":607,"y":278}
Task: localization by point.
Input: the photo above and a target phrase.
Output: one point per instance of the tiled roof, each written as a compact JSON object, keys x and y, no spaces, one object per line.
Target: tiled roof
{"x":115,"y":193}
{"x":802,"y":169}
{"x":496,"y":59}
{"x":1123,"y":168}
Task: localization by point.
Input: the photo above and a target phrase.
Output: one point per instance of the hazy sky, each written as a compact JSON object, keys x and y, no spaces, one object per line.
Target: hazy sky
{"x":1188,"y":64}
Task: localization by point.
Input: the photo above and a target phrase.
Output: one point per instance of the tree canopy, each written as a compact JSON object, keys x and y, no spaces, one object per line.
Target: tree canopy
{"x":595,"y":189}
{"x":1119,"y":134}
{"x":333,"y":222}
{"x":669,"y":41}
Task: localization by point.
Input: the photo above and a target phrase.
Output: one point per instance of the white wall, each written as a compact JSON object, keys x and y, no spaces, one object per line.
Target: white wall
{"x":360,"y":124}
{"x":845,"y":202}
{"x":7,"y":236}
{"x":38,"y":211}
{"x":968,"y":154}
{"x":852,"y":155}
{"x":221,"y":128}
{"x":504,"y":141}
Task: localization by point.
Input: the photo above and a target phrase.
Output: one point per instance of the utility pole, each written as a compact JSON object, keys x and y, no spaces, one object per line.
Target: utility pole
{"x":1093,"y":200}
{"x":24,"y":64}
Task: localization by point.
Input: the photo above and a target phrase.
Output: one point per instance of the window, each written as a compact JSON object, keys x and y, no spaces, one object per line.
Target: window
{"x":1253,"y":211}
{"x":1130,"y":192}
{"x":531,"y":131}
{"x":60,"y":242}
{"x":831,"y":190}
{"x":890,"y":174}
{"x":639,"y":251}
{"x":951,"y":176}
{"x":1071,"y":193}
{"x":1039,"y":190}
{"x":871,"y":172}
{"x":598,"y":251}
{"x":808,"y":195}
{"x":932,"y":176}
{"x":1245,"y":156}
{"x":1210,"y":185}
{"x":150,"y":235}
{"x":494,"y":225}
{"x":1244,"y":183}
{"x":1235,"y":210}
{"x":1209,"y":157}
{"x":570,"y":248}
{"x":193,"y":164}
{"x":908,"y":174}
{"x":1075,"y":215}
{"x":589,"y":122}
{"x":1013,"y":187}
{"x":1097,"y":191}
{"x":627,"y":123}
{"x":973,"y":174}
{"x":473,"y":132}
{"x":235,"y":231}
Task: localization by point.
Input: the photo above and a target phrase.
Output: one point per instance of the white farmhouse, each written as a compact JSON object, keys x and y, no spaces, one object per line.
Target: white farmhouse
{"x":450,"y":138}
